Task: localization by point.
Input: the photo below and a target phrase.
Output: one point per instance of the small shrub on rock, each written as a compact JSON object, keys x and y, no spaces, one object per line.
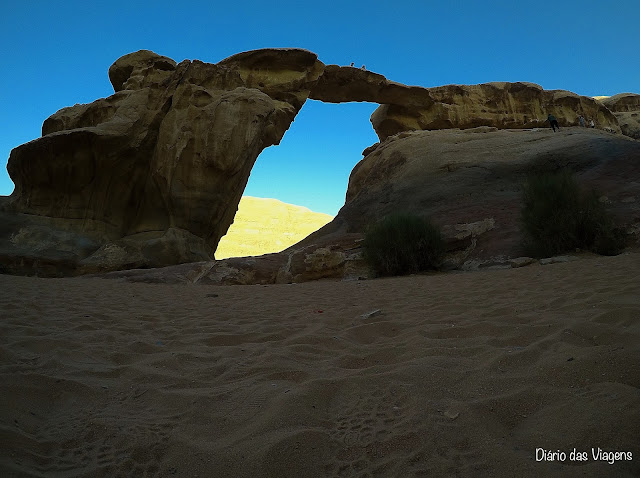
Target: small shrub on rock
{"x":558,"y":216}
{"x":402,"y":244}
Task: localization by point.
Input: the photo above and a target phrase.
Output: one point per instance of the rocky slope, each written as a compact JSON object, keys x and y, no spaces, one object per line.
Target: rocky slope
{"x":464,"y":176}
{"x":626,"y":108}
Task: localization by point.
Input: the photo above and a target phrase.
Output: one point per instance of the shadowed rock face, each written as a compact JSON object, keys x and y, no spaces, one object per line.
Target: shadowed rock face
{"x":152,"y":175}
{"x":465,"y":176}
{"x":171,"y":150}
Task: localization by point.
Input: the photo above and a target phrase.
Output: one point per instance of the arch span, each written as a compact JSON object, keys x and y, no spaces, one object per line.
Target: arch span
{"x":152,"y":175}
{"x":298,"y":186}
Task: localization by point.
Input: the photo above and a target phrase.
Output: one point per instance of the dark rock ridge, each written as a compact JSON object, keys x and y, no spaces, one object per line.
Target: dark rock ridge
{"x":152,"y":175}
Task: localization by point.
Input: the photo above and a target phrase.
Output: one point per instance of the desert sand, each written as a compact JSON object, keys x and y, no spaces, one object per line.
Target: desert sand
{"x":458,"y":374}
{"x":264,"y":225}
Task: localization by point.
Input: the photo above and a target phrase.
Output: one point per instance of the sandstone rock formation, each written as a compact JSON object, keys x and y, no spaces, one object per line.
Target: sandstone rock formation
{"x":626,"y":108}
{"x":500,"y":105}
{"x":467,"y":181}
{"x":339,"y":84}
{"x":262,"y":226}
{"x":466,"y":176}
{"x":326,"y":258}
{"x":152,"y":175}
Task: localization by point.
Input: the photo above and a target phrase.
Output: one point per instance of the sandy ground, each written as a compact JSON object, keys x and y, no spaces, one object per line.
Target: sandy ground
{"x":263,"y":225}
{"x":459,"y":375}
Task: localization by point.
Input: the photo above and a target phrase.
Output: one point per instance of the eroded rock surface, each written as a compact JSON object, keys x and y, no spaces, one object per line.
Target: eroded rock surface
{"x":153,"y":174}
{"x":501,"y":105}
{"x":339,"y":84}
{"x":474,"y":177}
{"x":626,"y":108}
{"x":328,"y":258}
{"x":337,"y":257}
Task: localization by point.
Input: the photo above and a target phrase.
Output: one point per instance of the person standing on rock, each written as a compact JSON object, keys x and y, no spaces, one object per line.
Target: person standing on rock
{"x":581,"y":120}
{"x":554,"y":122}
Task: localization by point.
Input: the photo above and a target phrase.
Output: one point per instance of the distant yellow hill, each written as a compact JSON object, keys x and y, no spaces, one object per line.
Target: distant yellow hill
{"x":263,"y":225}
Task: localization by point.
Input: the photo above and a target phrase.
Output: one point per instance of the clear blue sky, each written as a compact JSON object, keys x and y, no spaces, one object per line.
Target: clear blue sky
{"x":56,"y":54}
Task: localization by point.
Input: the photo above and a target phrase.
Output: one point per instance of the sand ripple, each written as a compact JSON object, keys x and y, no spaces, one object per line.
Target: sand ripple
{"x":459,"y":375}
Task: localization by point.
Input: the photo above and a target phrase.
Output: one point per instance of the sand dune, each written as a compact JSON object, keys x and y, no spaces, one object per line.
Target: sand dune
{"x":457,"y":375}
{"x":262,"y":226}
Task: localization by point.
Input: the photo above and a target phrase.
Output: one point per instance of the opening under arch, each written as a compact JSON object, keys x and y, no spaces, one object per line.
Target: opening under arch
{"x":309,"y":169}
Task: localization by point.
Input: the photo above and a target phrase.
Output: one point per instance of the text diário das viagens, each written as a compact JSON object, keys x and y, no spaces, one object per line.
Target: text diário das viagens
{"x":597,"y":454}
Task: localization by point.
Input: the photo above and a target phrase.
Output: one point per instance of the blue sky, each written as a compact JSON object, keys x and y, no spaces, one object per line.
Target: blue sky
{"x":56,"y":54}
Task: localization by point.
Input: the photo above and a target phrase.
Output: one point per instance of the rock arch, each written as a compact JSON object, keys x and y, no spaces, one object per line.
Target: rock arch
{"x":153,"y":174}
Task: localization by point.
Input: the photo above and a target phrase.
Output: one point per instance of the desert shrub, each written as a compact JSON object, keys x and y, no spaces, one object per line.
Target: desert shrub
{"x":611,"y":241}
{"x":402,"y":244}
{"x":558,"y":216}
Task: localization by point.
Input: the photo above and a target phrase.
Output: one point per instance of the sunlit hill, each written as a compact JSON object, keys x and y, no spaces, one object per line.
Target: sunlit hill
{"x":264,"y":225}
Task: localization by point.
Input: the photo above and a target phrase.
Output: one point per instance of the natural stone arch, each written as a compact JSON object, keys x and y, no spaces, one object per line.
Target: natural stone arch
{"x":308,"y":172}
{"x":153,"y":174}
